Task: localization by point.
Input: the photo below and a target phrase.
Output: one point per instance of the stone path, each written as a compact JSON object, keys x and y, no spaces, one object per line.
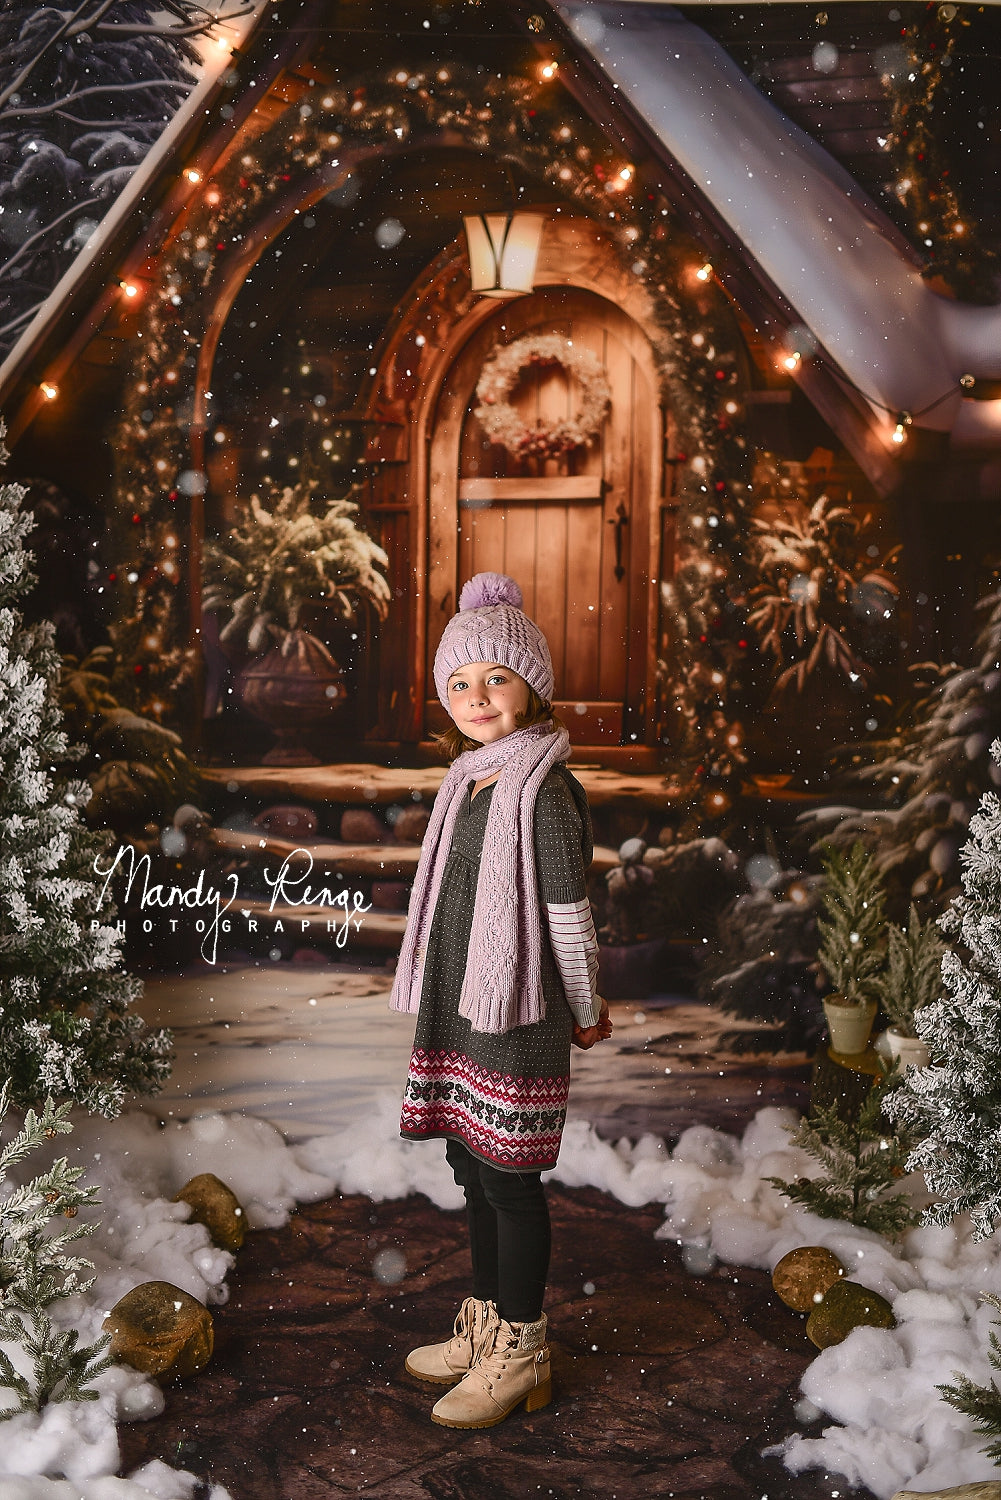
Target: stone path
{"x":666,"y":1384}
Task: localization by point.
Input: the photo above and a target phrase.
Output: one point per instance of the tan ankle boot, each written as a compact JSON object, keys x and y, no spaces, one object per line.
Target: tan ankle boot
{"x":511,"y":1368}
{"x":444,"y":1364}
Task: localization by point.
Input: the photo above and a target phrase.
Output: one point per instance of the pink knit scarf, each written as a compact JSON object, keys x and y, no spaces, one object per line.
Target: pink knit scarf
{"x":502,"y":987}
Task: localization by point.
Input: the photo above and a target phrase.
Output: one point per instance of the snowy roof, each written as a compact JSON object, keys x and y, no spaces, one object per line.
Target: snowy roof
{"x":823,"y":244}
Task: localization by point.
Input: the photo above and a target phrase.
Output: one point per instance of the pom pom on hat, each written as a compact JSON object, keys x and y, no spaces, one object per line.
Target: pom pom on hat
{"x":484,"y":589}
{"x":492,"y":626}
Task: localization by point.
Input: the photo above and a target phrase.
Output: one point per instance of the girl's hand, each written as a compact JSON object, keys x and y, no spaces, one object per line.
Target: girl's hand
{"x":586,"y":1036}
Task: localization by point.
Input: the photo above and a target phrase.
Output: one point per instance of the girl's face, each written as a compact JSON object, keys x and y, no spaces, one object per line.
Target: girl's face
{"x":484,"y":700}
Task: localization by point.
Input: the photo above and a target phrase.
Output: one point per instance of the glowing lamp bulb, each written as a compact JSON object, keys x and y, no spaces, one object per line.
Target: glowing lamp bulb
{"x":549,"y":70}
{"x":129,"y":288}
{"x":192,"y":174}
{"x":792,"y":361}
{"x":899,"y":433}
{"x":625,"y":174}
{"x":704,"y":273}
{"x":48,"y":390}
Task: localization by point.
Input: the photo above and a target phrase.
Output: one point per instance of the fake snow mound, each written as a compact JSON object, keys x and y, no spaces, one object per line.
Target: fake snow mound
{"x":890,"y":1428}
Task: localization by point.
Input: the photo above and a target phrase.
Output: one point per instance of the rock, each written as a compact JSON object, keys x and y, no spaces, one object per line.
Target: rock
{"x":359,"y":825}
{"x":987,"y":1489}
{"x":630,"y":971}
{"x":803,"y":1276}
{"x":390,"y":895}
{"x":411,"y":825}
{"x":161,"y":1331}
{"x":845,"y":1306}
{"x":287,"y":820}
{"x":217,"y":1207}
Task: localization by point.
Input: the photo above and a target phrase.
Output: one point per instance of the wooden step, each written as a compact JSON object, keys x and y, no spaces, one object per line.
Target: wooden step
{"x":359,"y":783}
{"x":381,"y":861}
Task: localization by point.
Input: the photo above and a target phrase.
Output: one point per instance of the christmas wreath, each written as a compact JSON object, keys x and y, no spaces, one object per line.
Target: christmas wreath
{"x":503,"y":424}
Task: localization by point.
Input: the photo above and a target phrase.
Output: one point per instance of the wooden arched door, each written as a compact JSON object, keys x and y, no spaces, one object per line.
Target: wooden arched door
{"x":579,"y":534}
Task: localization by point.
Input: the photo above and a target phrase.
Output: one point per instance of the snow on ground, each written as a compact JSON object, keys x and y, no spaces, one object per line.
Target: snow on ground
{"x":890,"y":1428}
{"x":141,"y":1236}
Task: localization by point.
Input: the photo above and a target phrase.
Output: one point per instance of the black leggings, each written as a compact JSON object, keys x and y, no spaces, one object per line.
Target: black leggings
{"x":509,"y":1234}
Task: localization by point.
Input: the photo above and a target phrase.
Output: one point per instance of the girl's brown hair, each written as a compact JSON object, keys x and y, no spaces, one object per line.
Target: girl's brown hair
{"x":452,"y":742}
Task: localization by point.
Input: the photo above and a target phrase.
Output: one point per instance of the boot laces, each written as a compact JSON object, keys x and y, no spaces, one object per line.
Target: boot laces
{"x":492,"y":1361}
{"x":473,"y":1317}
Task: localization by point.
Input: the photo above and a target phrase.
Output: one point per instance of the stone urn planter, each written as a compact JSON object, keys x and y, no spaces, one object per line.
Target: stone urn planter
{"x":910,"y":1050}
{"x":849,"y":1024}
{"x":294,"y":688}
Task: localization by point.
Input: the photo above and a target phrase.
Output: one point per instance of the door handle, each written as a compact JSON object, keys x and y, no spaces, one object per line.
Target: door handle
{"x":620,"y":520}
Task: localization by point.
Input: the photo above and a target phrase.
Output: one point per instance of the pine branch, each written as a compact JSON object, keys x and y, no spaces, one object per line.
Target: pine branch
{"x":861,"y":1164}
{"x":57,"y":106}
{"x":851,"y":923}
{"x":36,"y":1272}
{"x":981,"y":1403}
{"x":47,"y":229}
{"x":194,"y":28}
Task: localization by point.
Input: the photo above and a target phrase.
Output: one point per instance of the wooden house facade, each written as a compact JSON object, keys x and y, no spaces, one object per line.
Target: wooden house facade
{"x":289,"y":298}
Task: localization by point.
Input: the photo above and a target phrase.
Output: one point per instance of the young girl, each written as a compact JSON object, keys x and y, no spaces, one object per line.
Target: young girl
{"x":500,"y":959}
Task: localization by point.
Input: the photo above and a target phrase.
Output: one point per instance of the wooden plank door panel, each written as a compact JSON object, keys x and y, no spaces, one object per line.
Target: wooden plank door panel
{"x":552,"y":525}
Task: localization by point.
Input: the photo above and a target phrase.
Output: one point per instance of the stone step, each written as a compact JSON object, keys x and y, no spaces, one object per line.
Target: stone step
{"x":379,"y":861}
{"x":359,"y":783}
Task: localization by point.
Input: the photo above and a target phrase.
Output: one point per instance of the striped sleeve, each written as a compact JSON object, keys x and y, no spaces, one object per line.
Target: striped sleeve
{"x":575,"y":948}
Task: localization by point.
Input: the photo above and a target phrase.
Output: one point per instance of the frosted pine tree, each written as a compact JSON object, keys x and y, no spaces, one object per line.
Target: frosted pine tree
{"x":66,"y":1028}
{"x":84,"y":92}
{"x":955,"y":1104}
{"x":926,"y":780}
{"x":37,"y":1270}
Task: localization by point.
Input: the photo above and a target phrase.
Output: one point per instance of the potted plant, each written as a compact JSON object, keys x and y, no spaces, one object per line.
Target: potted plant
{"x":823,"y":612}
{"x":261,"y":577}
{"x":912,"y":979}
{"x":851,"y":924}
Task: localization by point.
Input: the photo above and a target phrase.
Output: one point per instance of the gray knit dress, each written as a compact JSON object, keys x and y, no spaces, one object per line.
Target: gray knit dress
{"x":502,"y":1096}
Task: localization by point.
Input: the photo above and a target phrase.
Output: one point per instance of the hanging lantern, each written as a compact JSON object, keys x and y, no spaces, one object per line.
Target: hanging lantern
{"x":503,"y":251}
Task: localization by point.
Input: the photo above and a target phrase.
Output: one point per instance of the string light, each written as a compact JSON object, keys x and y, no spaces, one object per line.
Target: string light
{"x":129,"y":288}
{"x":704,"y":273}
{"x":192,"y":174}
{"x":48,"y":390}
{"x":792,"y":361}
{"x":549,"y":70}
{"x":899,"y":433}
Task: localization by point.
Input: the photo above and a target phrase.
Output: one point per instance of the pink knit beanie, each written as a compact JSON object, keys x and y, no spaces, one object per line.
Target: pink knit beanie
{"x":492,"y":626}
